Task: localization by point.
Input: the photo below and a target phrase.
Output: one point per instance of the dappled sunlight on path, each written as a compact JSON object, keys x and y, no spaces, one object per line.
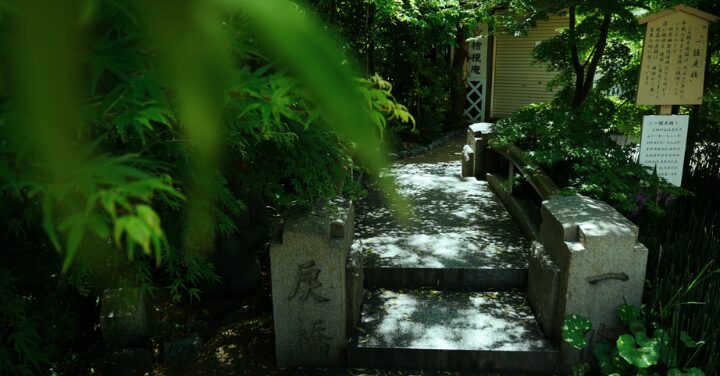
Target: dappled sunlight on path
{"x":446,"y":320}
{"x":456,"y":223}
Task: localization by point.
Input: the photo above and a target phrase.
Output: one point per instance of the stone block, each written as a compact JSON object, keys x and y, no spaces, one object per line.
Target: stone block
{"x":183,"y":349}
{"x":123,"y":317}
{"x":308,"y":272}
{"x":355,"y":279}
{"x":543,"y":286}
{"x":601,"y":264}
{"x":480,"y":129}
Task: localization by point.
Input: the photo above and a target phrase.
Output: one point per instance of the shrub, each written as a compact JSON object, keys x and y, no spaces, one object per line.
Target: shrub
{"x":577,"y":152}
{"x":634,"y":352}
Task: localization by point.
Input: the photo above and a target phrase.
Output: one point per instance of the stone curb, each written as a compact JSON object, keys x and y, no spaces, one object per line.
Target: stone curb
{"x":424,"y":149}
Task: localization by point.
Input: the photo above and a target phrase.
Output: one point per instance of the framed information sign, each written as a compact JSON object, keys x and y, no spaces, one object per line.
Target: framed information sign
{"x":662,"y":146}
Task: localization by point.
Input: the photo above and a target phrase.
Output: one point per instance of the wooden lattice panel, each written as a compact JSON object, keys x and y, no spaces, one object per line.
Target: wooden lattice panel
{"x":474,"y":101}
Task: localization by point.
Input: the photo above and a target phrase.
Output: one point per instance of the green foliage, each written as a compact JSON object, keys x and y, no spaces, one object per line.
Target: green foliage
{"x":131,"y":113}
{"x":20,"y":351}
{"x":595,"y":30}
{"x":123,"y":161}
{"x":408,"y":44}
{"x":574,"y":329}
{"x":576,"y":150}
{"x":632,"y":353}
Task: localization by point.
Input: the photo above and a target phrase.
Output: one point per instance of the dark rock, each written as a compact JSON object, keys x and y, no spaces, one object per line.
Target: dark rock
{"x":257,"y":208}
{"x":182,"y":350}
{"x":242,"y":313}
{"x":255,"y":213}
{"x":253,"y":238}
{"x":236,"y":262}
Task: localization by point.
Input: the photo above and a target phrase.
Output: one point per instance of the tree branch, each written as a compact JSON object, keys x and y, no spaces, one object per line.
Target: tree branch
{"x":599,"y":49}
{"x":573,"y":44}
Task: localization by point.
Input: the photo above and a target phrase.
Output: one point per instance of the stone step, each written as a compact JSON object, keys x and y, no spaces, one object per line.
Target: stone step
{"x":459,"y":234}
{"x":443,"y":330}
{"x":478,"y":279}
{"x":303,"y":371}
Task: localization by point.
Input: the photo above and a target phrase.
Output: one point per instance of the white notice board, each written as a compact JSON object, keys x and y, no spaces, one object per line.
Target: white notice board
{"x":662,"y":145}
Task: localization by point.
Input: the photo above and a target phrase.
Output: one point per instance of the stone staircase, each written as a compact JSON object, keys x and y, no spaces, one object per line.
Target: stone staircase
{"x":446,"y":291}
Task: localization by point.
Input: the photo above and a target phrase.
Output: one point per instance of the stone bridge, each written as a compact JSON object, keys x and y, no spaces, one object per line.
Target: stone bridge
{"x":479,"y":278}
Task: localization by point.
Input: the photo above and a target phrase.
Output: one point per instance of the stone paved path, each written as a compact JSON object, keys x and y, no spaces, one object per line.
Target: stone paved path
{"x":456,"y":223}
{"x":449,"y":321}
{"x":444,"y":290}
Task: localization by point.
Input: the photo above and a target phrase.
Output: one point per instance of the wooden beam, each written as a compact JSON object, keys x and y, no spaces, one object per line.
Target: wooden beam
{"x":680,"y":8}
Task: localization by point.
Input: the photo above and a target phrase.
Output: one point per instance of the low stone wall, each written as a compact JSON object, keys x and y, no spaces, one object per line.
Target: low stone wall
{"x":585,"y":260}
{"x":424,"y":149}
{"x":316,"y":287}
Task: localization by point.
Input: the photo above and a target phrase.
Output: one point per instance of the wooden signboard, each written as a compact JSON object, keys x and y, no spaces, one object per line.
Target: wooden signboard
{"x":673,"y":60}
{"x":476,"y":68}
{"x":477,"y":53}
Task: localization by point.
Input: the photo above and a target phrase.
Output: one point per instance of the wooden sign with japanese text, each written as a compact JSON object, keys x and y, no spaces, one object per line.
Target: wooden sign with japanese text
{"x":673,"y":60}
{"x":476,"y":67}
{"x":477,"y":53}
{"x":662,"y":146}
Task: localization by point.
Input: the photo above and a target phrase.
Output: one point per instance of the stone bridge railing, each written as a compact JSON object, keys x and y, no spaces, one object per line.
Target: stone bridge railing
{"x":585,"y":258}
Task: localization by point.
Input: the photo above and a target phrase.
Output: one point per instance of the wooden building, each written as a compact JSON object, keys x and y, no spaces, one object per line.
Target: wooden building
{"x":514,"y":79}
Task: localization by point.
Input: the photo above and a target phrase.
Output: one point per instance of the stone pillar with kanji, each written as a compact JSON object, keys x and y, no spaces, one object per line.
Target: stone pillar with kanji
{"x":312,"y":294}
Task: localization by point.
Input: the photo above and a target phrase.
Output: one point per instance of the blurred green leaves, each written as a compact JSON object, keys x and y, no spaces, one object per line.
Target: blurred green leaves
{"x":131,"y":128}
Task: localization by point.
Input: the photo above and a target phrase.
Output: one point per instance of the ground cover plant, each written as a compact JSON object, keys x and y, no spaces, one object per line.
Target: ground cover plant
{"x":639,"y":351}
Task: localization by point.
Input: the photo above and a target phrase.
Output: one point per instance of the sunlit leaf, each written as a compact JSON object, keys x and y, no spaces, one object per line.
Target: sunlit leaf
{"x":574,"y":329}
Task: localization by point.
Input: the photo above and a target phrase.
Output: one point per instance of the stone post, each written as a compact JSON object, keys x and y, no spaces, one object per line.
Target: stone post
{"x":312,"y":300}
{"x":588,"y":263}
{"x":477,"y":161}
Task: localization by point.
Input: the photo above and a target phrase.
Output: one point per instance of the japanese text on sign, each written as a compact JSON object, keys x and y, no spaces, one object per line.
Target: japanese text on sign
{"x":662,"y":146}
{"x":673,"y":61}
{"x":477,"y":50}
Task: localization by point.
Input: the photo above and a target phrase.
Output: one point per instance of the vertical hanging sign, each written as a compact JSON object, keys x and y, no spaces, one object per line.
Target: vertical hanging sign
{"x":476,"y":70}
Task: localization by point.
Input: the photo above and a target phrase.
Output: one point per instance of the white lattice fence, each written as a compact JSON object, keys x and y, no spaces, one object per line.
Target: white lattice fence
{"x":474,"y":101}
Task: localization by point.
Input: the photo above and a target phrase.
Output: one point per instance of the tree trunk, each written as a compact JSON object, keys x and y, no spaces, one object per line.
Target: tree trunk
{"x":459,"y":89}
{"x":584,"y":79}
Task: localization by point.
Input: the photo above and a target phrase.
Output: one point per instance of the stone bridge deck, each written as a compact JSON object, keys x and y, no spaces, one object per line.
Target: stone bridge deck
{"x":445,"y":291}
{"x":458,"y":236}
